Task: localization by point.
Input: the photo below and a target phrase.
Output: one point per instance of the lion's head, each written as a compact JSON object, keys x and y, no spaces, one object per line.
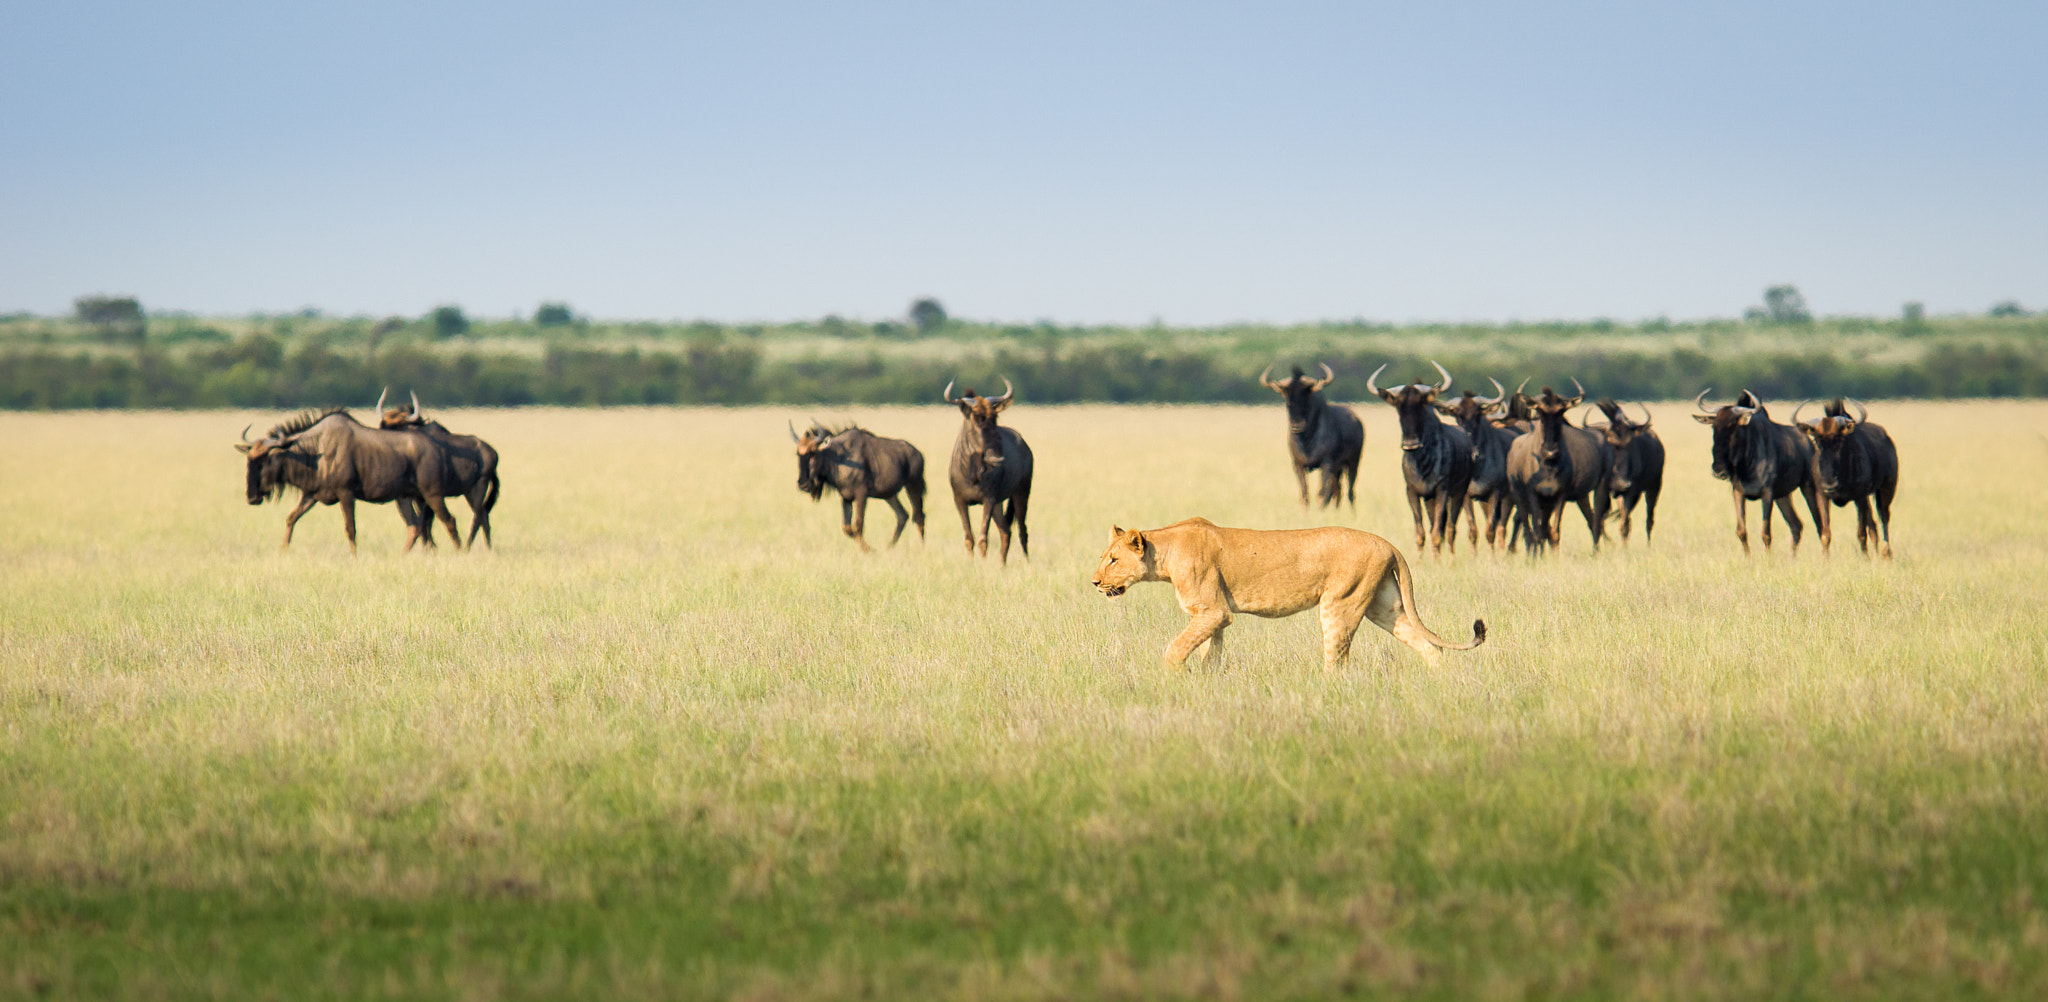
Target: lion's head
{"x":1127,"y":561}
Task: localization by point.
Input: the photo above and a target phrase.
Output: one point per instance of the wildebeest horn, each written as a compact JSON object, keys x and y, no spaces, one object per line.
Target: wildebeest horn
{"x":947,"y":393}
{"x":1447,"y":377}
{"x":1372,"y":385}
{"x":1701,"y":400}
{"x":792,"y":434}
{"x":1796,"y":410}
{"x":380,"y":400}
{"x":1581,"y":389}
{"x":245,"y":430}
{"x":1646,"y":414}
{"x":1499,"y":393}
{"x":1518,"y":389}
{"x":1267,"y":383}
{"x":1008,"y":392}
{"x":1861,"y":414}
{"x":1327,"y":375}
{"x":415,"y":405}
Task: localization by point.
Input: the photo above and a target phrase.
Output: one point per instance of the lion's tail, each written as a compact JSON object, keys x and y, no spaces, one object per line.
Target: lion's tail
{"x":1408,"y":609}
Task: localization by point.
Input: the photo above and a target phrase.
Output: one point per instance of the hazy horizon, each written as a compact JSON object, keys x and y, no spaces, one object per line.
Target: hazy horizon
{"x":1202,"y":165}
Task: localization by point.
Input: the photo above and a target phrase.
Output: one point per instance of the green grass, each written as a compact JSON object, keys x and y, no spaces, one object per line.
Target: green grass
{"x":676,"y":738}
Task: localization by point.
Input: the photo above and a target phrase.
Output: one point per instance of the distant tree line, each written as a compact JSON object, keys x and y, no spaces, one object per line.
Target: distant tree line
{"x":266,"y":371}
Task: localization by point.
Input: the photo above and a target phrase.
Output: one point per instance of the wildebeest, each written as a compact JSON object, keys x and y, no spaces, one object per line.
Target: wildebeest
{"x":1554,"y":464}
{"x":861,"y":465}
{"x":1638,"y":465}
{"x":1436,"y":458}
{"x":1854,"y":462}
{"x":1320,"y":435}
{"x":991,"y":467}
{"x":332,"y":459}
{"x":471,"y":471}
{"x":1762,"y":461}
{"x":1488,"y":487}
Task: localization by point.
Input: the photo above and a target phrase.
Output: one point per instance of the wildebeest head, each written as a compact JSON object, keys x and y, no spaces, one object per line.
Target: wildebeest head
{"x":1299,"y":390}
{"x":1619,"y":432}
{"x":1411,"y":402}
{"x":1126,"y":562}
{"x":1519,"y":407}
{"x":1829,"y":435}
{"x":981,"y":415}
{"x":1473,"y":411}
{"x":1725,"y":421}
{"x":398,"y":417}
{"x":1549,"y":411}
{"x":813,"y":459}
{"x":269,"y":455}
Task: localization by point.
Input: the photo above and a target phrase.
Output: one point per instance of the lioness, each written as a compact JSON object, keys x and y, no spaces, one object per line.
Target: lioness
{"x":1217,"y":571}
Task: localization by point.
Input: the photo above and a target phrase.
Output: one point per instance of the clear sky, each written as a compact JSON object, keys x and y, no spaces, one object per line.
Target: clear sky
{"x":1091,"y":162}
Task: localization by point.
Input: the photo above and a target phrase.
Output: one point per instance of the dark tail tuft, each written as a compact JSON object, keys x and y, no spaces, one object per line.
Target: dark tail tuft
{"x":1478,"y":631}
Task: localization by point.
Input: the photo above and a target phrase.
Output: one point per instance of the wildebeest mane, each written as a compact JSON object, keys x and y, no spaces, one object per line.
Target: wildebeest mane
{"x":303,"y":420}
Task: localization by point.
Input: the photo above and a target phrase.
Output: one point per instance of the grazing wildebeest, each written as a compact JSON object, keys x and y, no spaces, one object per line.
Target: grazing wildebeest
{"x":1555,"y":464}
{"x":1638,"y":465}
{"x":992,"y":468}
{"x":1488,"y":487}
{"x":471,"y":471}
{"x":1320,"y":435}
{"x":1762,"y":461}
{"x":861,"y":465}
{"x":332,"y":459}
{"x":1854,"y":462}
{"x":1436,"y":458}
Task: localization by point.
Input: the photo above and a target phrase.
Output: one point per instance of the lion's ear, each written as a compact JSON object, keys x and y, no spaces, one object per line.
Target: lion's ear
{"x":1137,"y":540}
{"x":1116,"y":532}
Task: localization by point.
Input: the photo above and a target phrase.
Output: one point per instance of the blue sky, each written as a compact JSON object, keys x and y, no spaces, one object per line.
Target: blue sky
{"x":1106,"y":162}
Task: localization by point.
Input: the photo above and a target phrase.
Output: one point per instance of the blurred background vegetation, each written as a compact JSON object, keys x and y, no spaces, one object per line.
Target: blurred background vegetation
{"x":112,"y":353}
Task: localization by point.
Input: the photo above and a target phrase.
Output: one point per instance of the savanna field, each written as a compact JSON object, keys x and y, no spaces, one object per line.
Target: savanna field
{"x":676,"y":738}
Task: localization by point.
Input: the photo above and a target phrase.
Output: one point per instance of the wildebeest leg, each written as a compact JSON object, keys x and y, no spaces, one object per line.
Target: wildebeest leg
{"x":1003,"y":520}
{"x":1650,"y":512}
{"x":859,"y":529}
{"x":305,"y":502}
{"x":1301,"y":481}
{"x":1586,"y":507}
{"x":1742,"y":519}
{"x":917,"y":509}
{"x":1884,"y":515}
{"x":440,"y":507}
{"x":1472,"y":510}
{"x":348,"y":520}
{"x":1202,"y":624}
{"x":902,"y":518}
{"x":966,"y":526}
{"x":1020,"y":505}
{"x":1628,"y":514}
{"x":988,"y":514}
{"x":1791,"y":522}
{"x":419,"y":525}
{"x":1351,"y":485}
{"x":1823,"y":519}
{"x":1453,"y":505}
{"x":1866,"y":527}
{"x":1415,"y":509}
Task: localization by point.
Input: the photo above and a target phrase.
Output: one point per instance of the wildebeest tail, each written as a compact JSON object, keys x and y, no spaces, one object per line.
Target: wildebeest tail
{"x":491,"y":495}
{"x":1415,"y":617}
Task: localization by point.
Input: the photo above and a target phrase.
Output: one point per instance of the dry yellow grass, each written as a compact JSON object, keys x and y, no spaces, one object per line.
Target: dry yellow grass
{"x":677,"y":737}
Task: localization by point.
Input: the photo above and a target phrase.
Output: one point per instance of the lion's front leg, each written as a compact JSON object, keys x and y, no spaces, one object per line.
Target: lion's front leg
{"x":1204,"y":628}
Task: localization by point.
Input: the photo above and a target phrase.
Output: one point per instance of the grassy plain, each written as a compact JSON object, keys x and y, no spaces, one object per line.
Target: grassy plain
{"x":676,"y":738}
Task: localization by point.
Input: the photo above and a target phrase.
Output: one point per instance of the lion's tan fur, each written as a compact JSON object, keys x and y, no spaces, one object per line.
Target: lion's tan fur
{"x":1217,"y":572}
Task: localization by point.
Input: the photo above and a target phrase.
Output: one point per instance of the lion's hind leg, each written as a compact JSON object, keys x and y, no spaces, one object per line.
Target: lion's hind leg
{"x":1341,"y":613}
{"x":1388,"y":613}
